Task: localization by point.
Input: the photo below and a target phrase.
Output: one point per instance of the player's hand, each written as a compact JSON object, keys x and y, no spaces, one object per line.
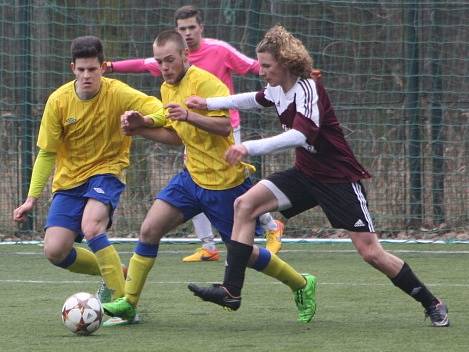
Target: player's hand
{"x":20,"y":214}
{"x":197,"y":103}
{"x":177,"y":112}
{"x":236,"y":153}
{"x":130,"y":121}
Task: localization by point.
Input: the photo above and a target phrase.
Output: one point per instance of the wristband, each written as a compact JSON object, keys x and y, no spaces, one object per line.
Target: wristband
{"x":187,"y":115}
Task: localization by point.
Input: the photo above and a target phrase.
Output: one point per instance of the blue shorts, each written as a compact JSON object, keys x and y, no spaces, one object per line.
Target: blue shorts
{"x":67,"y":206}
{"x":191,"y":199}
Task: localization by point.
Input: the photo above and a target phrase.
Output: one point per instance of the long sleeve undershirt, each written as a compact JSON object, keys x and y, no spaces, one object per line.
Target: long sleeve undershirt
{"x":241,"y":101}
{"x":280,"y":142}
{"x":42,"y":169}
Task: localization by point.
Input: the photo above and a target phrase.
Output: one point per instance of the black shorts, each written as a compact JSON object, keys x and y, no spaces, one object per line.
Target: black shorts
{"x":344,"y":204}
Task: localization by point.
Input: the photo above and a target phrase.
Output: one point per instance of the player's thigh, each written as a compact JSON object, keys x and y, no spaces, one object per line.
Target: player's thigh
{"x":103,"y":195}
{"x":161,"y":218}
{"x":66,"y":211}
{"x":292,"y":191}
{"x":258,"y":200}
{"x":345,"y":206}
{"x":96,"y":218}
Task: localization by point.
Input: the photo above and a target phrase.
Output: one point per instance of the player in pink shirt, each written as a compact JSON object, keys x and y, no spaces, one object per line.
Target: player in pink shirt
{"x":221,"y":59}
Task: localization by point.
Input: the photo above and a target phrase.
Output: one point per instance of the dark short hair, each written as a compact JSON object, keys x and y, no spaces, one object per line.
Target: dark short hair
{"x":170,"y":35}
{"x":86,"y":47}
{"x":188,"y":11}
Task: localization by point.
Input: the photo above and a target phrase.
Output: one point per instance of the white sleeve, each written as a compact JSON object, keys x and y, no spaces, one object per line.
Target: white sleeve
{"x":237,"y":101}
{"x":280,"y":142}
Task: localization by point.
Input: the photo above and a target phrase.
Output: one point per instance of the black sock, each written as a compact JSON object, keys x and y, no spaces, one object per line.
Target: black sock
{"x":410,"y":284}
{"x":237,"y":259}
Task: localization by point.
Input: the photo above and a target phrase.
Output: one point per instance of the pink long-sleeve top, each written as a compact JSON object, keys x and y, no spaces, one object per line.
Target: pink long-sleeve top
{"x":215,"y":56}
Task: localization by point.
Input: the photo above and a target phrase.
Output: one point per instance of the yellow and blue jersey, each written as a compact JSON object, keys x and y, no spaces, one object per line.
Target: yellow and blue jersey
{"x":86,"y":134}
{"x":204,"y":150}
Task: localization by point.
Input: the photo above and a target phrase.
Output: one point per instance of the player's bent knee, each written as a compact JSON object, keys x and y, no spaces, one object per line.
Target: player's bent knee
{"x":91,"y":230}
{"x":370,"y":255}
{"x":148,"y":234}
{"x":54,"y":255}
{"x":244,"y":207}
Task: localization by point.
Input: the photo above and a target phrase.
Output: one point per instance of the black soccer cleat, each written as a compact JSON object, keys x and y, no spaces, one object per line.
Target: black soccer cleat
{"x":216,"y":294}
{"x":438,"y":313}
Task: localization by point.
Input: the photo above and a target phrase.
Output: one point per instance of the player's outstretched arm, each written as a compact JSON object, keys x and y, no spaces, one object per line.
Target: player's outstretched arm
{"x":160,"y":135}
{"x":286,"y":140}
{"x":216,"y":125}
{"x":242,"y":101}
{"x":134,"y":66}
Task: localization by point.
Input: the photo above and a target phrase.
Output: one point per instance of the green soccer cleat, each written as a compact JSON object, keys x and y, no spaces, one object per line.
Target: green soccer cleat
{"x":305,"y":299}
{"x":120,"y":308}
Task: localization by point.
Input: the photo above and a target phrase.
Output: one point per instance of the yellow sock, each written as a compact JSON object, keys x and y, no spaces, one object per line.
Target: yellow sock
{"x":111,"y":270}
{"x":283,"y":272}
{"x":139,"y":267}
{"x":85,"y":262}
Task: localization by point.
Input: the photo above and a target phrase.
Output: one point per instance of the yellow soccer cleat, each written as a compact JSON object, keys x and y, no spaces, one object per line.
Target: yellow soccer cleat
{"x":202,"y":255}
{"x":273,"y":238}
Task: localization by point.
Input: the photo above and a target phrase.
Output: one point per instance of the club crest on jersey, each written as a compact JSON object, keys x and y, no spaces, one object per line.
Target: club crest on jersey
{"x":70,"y":121}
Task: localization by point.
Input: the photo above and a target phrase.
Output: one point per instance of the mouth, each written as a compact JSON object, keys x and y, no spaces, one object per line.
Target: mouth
{"x":167,"y":77}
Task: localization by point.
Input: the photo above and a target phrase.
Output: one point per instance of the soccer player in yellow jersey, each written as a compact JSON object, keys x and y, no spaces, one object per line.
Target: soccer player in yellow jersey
{"x":80,"y":133}
{"x":208,"y":183}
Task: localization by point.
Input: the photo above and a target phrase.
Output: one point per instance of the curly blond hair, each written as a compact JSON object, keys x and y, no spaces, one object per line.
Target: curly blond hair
{"x":287,"y":50}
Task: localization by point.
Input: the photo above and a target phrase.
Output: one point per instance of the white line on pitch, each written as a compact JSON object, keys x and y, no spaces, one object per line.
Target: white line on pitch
{"x":290,"y":251}
{"x":210,"y":282}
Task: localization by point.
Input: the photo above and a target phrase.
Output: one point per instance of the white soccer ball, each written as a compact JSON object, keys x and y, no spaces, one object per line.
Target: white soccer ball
{"x":82,"y":313}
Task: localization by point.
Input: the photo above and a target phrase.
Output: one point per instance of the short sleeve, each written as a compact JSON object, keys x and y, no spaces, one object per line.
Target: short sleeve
{"x":51,"y":130}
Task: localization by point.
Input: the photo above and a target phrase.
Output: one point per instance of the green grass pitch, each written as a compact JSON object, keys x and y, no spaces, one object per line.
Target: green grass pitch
{"x":358,"y":308}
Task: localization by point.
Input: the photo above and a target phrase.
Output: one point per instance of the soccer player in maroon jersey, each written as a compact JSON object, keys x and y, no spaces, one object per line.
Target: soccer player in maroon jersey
{"x":326,"y":172}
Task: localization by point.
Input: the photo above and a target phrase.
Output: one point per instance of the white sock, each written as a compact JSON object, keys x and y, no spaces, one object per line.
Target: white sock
{"x":203,"y":231}
{"x":267,"y":222}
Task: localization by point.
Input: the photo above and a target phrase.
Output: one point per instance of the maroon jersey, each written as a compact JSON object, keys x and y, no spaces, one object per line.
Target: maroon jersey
{"x":306,"y":107}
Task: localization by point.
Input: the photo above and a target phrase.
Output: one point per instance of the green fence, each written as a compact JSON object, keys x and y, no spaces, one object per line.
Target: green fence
{"x":397,"y":73}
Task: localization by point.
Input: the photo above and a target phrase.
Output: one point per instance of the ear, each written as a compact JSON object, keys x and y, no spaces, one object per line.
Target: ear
{"x":72,"y":66}
{"x":185,"y":55}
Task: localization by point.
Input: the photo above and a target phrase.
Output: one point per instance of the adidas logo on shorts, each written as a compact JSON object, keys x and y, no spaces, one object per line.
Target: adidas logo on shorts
{"x":359,"y":223}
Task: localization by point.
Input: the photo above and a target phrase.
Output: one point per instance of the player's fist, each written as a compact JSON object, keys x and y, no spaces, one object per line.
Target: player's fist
{"x":177,"y":112}
{"x":236,"y":153}
{"x":20,"y":213}
{"x":197,"y":103}
{"x":130,"y":121}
